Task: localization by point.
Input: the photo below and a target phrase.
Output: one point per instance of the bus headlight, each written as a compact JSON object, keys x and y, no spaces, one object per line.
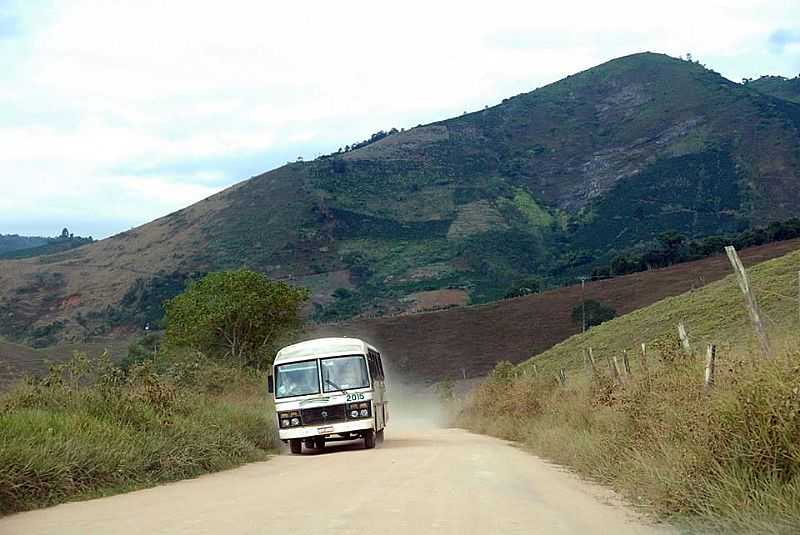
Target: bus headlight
{"x":289,"y":419}
{"x":359,"y":410}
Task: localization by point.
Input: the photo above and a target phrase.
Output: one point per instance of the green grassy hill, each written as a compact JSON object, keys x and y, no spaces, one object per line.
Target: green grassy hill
{"x":541,"y":187}
{"x":712,"y":314}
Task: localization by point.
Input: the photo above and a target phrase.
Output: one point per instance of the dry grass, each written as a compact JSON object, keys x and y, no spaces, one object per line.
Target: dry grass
{"x":725,"y":457}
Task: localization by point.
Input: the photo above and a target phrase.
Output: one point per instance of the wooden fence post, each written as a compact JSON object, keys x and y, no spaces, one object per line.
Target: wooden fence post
{"x":617,"y":372}
{"x":592,"y":361}
{"x":614,"y":366}
{"x":562,"y":376}
{"x":711,"y":358}
{"x":687,"y":347}
{"x":625,"y":362}
{"x":749,"y":299}
{"x":645,"y":367}
{"x":464,"y":373}
{"x":535,"y":370}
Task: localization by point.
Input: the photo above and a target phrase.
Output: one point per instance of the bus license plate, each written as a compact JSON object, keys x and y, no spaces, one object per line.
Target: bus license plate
{"x":322,"y":430}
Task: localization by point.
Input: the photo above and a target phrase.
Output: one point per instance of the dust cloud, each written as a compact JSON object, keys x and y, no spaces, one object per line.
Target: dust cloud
{"x":414,"y":406}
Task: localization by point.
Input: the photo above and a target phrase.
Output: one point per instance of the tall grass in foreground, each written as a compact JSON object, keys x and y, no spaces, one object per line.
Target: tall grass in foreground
{"x":89,"y":428}
{"x":725,"y":459}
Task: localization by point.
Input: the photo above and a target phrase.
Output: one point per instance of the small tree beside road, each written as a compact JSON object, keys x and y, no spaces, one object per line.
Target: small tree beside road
{"x":234,"y":315}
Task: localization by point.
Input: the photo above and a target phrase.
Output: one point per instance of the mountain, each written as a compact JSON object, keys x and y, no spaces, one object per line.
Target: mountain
{"x":540,"y":188}
{"x":15,"y":242}
{"x":15,"y":246}
{"x":778,"y":86}
{"x":46,"y":246}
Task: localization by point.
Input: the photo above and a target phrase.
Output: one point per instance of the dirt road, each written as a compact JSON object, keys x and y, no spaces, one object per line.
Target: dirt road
{"x":418,"y":482}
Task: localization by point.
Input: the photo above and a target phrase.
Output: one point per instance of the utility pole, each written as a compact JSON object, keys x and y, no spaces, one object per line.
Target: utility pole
{"x":583,"y":280}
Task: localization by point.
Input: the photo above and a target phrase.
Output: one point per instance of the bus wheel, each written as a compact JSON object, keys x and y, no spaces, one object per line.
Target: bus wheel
{"x":380,"y":436}
{"x":369,"y":439}
{"x":319,"y":443}
{"x":296,"y":446}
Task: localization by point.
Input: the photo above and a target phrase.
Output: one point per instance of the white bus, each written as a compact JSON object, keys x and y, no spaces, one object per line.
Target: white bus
{"x":329,"y":389}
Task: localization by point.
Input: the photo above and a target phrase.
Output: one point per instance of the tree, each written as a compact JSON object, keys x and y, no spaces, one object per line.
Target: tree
{"x":65,"y":233}
{"x":596,"y":313}
{"x":671,"y":251}
{"x":622,"y":265}
{"x":342,"y":293}
{"x":525,"y":287}
{"x":234,"y":315}
{"x":601,"y":272}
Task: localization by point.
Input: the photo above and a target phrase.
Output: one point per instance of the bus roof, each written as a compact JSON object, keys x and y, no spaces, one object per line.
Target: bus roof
{"x":322,"y":347}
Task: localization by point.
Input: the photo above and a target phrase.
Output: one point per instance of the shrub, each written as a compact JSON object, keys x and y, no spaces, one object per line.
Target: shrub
{"x":594,"y":312}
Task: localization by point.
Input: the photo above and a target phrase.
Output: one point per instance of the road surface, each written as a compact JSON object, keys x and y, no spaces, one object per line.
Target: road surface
{"x":425,"y":481}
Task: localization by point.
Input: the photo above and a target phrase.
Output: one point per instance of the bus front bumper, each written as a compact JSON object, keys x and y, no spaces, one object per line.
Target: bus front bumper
{"x":326,"y":429}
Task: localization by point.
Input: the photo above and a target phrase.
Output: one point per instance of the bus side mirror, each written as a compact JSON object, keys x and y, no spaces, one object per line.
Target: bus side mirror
{"x":270,"y":384}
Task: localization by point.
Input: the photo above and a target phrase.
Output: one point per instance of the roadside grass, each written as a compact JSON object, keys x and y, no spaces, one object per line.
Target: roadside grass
{"x":91,"y":429}
{"x":724,"y":459}
{"x":727,"y":458}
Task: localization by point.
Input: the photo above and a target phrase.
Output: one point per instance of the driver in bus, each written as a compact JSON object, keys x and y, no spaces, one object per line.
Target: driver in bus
{"x":289,"y":386}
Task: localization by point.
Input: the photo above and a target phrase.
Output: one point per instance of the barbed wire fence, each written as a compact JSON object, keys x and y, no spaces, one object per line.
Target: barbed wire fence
{"x":755,"y":313}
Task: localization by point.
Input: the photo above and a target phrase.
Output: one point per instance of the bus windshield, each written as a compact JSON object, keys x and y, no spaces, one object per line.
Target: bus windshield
{"x":296,"y":379}
{"x":342,"y":373}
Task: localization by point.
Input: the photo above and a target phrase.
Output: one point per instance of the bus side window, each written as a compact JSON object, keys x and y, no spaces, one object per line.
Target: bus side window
{"x":373,"y":368}
{"x":380,"y":365}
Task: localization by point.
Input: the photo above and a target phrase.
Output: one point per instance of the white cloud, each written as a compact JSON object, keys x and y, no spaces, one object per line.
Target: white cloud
{"x":117,"y":95}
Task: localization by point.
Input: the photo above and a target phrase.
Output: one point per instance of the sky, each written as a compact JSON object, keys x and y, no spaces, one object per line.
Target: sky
{"x":117,"y":112}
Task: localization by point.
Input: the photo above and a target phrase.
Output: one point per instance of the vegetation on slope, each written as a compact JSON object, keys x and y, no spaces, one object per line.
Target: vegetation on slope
{"x":673,"y":248}
{"x":777,"y":86}
{"x":14,"y":246}
{"x":722,"y":459}
{"x":13,"y":242}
